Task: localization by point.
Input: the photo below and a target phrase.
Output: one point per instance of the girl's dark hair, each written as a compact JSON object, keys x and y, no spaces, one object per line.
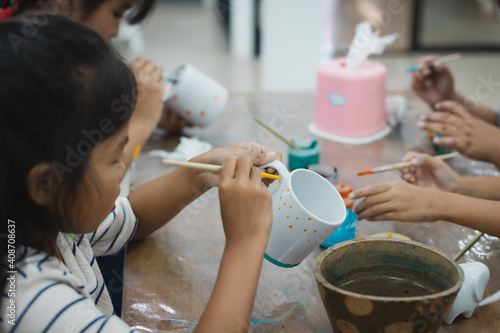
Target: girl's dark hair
{"x":137,"y":13}
{"x":62,"y":91}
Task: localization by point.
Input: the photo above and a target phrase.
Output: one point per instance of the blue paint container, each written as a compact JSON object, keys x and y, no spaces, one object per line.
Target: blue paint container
{"x":307,"y":154}
{"x":345,"y":232}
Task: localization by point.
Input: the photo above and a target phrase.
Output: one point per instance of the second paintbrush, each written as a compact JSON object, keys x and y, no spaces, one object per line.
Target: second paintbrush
{"x":400,"y":165}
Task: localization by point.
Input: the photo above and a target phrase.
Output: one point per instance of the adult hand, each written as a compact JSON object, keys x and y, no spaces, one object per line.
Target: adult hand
{"x":433,"y":84}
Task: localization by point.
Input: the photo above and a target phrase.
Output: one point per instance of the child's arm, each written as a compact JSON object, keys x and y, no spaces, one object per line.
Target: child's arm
{"x":158,"y":201}
{"x":460,"y":130}
{"x":430,"y":172}
{"x":399,"y":201}
{"x":247,"y":217}
{"x":435,"y":84}
{"x":148,"y":108}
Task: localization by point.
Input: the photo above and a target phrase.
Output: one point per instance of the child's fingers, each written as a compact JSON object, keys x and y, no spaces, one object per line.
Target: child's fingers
{"x":243,"y":168}
{"x":367,"y":212}
{"x":450,"y":142}
{"x":374,"y":200}
{"x":369,"y":190}
{"x":453,"y":107}
{"x":227,"y":173}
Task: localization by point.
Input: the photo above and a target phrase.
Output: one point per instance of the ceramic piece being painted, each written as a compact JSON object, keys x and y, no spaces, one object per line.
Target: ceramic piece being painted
{"x":476,"y":276}
{"x":306,"y":210}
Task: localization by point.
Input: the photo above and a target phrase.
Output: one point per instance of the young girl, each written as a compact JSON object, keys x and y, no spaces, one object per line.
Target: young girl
{"x":104,"y":17}
{"x":63,"y":126}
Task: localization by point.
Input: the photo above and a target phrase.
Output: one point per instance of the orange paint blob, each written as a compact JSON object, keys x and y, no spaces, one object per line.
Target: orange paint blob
{"x":290,"y":226}
{"x":175,"y":97}
{"x":188,"y":113}
{"x":202,"y":113}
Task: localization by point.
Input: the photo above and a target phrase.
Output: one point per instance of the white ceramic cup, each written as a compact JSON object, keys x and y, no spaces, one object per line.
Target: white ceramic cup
{"x":306,"y":210}
{"x":194,"y":96}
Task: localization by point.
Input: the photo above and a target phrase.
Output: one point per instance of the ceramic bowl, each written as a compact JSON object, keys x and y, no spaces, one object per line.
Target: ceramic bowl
{"x":386,"y":285}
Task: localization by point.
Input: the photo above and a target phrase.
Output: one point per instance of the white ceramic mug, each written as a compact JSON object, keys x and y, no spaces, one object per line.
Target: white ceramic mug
{"x":194,"y":96}
{"x":306,"y":210}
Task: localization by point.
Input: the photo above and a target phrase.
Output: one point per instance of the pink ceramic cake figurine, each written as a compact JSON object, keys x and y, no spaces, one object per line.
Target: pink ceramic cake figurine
{"x":350,"y":102}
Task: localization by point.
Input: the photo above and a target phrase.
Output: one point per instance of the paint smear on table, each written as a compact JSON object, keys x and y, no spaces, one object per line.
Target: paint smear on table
{"x":296,"y":309}
{"x":176,"y":324}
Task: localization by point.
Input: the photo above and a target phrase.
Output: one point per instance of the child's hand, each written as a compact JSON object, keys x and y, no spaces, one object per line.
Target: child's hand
{"x":433,"y":84}
{"x":171,"y":121}
{"x":259,"y":155}
{"x":430,"y":172}
{"x":150,"y":92}
{"x":395,"y":201}
{"x":460,"y":130}
{"x":245,"y":202}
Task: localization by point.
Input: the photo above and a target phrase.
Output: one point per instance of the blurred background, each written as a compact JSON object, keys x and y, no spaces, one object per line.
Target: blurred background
{"x":277,"y":45}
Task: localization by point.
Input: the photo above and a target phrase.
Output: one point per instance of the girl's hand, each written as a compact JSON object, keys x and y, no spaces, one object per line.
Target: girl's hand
{"x":461,"y":131}
{"x":258,"y":154}
{"x":150,"y":92}
{"x":245,"y":202}
{"x":433,"y":84}
{"x":430,"y":172}
{"x":395,"y":201}
{"x":171,"y":121}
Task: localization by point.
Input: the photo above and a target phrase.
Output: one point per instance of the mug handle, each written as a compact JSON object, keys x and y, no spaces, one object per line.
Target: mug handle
{"x":279,"y":166}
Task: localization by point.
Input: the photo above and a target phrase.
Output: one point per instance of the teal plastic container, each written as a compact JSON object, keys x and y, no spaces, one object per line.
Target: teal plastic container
{"x":346,"y":231}
{"x":307,"y":154}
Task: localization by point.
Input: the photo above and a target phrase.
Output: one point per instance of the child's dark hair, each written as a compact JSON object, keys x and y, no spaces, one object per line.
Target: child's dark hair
{"x":61,"y":93}
{"x":138,"y":12}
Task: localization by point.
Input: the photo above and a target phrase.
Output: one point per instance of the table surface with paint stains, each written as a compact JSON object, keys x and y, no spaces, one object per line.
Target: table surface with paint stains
{"x":169,"y":276}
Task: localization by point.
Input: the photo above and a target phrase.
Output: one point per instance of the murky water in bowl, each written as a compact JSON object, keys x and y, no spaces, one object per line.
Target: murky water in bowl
{"x":381,"y":281}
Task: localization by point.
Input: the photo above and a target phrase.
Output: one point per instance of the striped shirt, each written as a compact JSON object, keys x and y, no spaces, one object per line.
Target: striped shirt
{"x":52,"y":296}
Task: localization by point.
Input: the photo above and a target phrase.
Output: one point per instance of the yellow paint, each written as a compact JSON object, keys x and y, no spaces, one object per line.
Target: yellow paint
{"x":309,"y":219}
{"x":288,"y":190}
{"x":296,"y":218}
{"x":315,"y":231}
{"x":305,"y":230}
{"x":290,"y":226}
{"x":320,"y":238}
{"x":290,"y":206}
{"x":287,"y":216}
{"x":281,"y":197}
{"x":308,"y":240}
{"x":389,"y":234}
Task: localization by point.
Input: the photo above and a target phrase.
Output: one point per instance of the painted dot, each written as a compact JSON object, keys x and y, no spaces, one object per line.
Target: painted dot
{"x":288,"y":190}
{"x":399,"y":327}
{"x":305,"y":230}
{"x":320,"y":238}
{"x":282,"y":190}
{"x":290,"y":226}
{"x":346,"y":327}
{"x":281,"y":197}
{"x":308,"y":240}
{"x":309,"y":219}
{"x":188,"y":113}
{"x":216,"y":98}
{"x":296,"y":218}
{"x":279,"y":208}
{"x":202,"y":113}
{"x":315,"y":231}
{"x":327,"y":229}
{"x":284,"y":204}
{"x":290,"y":206}
{"x":359,"y":307}
{"x":175,"y":97}
{"x":287,"y":216}
{"x":389,"y":234}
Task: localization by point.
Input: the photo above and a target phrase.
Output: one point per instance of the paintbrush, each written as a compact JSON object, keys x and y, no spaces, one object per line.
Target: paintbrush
{"x":210,"y":167}
{"x":400,"y":165}
{"x":436,"y":61}
{"x":279,"y":136}
{"x":468,"y":246}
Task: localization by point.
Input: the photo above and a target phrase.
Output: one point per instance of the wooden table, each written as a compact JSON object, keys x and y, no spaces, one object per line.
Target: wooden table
{"x":170,"y":275}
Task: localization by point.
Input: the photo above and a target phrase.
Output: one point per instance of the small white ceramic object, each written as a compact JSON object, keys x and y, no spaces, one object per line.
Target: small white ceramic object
{"x":476,"y":276}
{"x":194,"y":96}
{"x":306,"y":210}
